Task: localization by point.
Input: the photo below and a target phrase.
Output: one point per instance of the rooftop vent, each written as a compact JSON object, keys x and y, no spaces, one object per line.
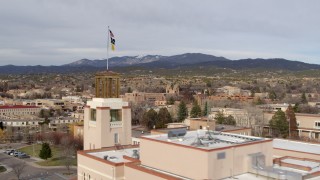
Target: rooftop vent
{"x":177,"y":133}
{"x":135,"y":154}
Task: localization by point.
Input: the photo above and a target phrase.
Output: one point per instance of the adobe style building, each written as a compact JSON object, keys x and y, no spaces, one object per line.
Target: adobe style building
{"x":176,"y":155}
{"x":308,"y":125}
{"x":12,"y":112}
{"x":107,"y":118}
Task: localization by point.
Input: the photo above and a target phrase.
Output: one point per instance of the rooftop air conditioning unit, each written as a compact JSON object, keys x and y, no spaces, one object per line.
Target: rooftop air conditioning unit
{"x":177,"y":133}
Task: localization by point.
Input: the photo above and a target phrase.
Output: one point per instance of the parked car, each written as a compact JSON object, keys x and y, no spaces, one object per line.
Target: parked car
{"x":23,"y":155}
{"x":17,"y":153}
{"x":10,"y":151}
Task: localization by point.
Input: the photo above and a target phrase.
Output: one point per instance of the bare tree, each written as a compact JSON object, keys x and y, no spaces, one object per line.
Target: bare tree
{"x":18,"y":169}
{"x":255,"y":119}
{"x":68,"y":145}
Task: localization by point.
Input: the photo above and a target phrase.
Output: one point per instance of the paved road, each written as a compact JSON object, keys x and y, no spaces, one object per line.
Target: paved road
{"x":29,"y":172}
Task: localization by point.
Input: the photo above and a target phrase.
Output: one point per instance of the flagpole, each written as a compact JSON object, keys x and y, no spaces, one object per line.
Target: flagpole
{"x":108,"y":49}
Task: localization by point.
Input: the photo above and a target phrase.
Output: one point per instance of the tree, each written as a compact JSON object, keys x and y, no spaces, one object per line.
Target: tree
{"x":129,"y":90}
{"x":219,"y":117}
{"x":150,"y":118}
{"x":196,"y":110}
{"x":45,"y":151}
{"x":205,"y":111}
{"x":279,"y":124}
{"x":2,"y":135}
{"x":45,"y":113}
{"x":137,"y":113}
{"x":253,"y":117}
{"x":164,"y":118}
{"x":230,"y":120}
{"x":170,"y":101}
{"x":272,"y":95}
{"x":304,"y":98}
{"x":182,"y":111}
{"x":296,"y":107}
{"x":291,"y":116}
{"x":259,"y":101}
{"x":69,"y":149}
{"x":18,"y":169}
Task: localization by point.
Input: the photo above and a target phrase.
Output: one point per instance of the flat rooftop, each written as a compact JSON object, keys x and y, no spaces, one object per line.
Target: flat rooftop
{"x":205,"y":139}
{"x":115,"y":156}
{"x":296,"y":146}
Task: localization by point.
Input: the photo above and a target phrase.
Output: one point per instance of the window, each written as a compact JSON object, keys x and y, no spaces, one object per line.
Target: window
{"x":116,"y":138}
{"x":298,"y":123}
{"x":317,"y":124}
{"x":93,"y":113}
{"x":221,"y":155}
{"x":115,"y":115}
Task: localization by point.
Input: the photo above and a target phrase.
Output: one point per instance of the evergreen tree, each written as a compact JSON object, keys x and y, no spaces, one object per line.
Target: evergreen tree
{"x":196,"y":110}
{"x":164,"y":118}
{"x":150,"y":118}
{"x":304,"y":98}
{"x":182,"y":111}
{"x":259,"y":101}
{"x":205,"y":110}
{"x":129,"y":90}
{"x":291,"y":116}
{"x":279,"y":124}
{"x":230,"y":120}
{"x":272,"y":95}
{"x":219,"y":117}
{"x":296,"y":107}
{"x":45,"y":151}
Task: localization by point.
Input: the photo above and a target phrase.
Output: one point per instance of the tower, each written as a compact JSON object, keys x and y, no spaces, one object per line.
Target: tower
{"x":107,"y":118}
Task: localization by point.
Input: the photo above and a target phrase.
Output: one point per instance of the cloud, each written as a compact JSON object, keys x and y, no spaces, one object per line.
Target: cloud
{"x":58,"y":32}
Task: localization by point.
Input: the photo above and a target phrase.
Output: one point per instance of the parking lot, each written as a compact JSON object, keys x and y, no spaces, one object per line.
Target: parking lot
{"x":30,"y":171}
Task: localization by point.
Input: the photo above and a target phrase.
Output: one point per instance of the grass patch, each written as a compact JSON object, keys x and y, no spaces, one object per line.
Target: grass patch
{"x":34,"y":150}
{"x":57,"y":155}
{"x":59,"y":161}
{"x":2,"y":169}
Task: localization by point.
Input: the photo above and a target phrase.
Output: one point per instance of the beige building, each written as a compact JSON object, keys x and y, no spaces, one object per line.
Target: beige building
{"x":51,"y":103}
{"x":106,"y":122}
{"x":223,"y":156}
{"x":175,"y":155}
{"x":200,"y":123}
{"x":308,"y":124}
{"x":173,"y":89}
{"x":107,"y":118}
{"x":16,"y":111}
{"x":138,"y":97}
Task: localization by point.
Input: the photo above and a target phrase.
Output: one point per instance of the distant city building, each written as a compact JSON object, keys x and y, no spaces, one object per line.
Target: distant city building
{"x":20,"y":123}
{"x":139,"y":97}
{"x":72,"y":99}
{"x":18,"y":111}
{"x":274,"y":107}
{"x":173,"y":89}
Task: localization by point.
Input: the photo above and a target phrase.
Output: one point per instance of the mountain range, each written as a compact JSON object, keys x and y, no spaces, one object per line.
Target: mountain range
{"x":196,"y":60}
{"x":185,"y":61}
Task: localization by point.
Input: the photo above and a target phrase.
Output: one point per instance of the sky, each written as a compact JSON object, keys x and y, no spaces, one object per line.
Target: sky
{"x":56,"y":32}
